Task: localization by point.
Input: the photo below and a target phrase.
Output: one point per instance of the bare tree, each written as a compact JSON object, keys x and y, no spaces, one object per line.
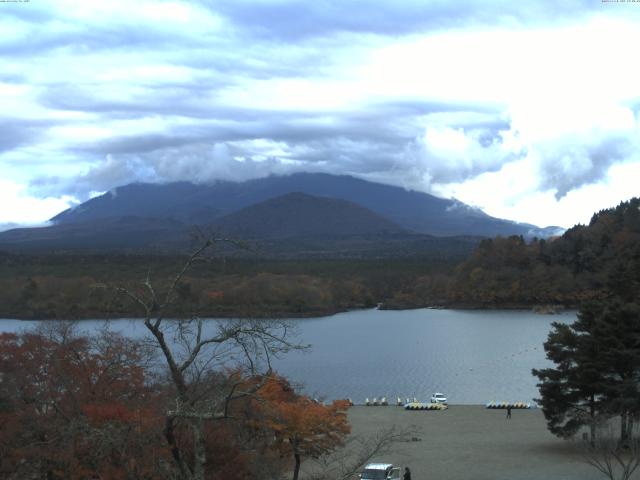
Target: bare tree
{"x":196,"y":353}
{"x":358,"y":451}
{"x":612,"y":458}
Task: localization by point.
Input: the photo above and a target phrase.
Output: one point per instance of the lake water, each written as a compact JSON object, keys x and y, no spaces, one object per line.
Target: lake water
{"x":473,"y":356}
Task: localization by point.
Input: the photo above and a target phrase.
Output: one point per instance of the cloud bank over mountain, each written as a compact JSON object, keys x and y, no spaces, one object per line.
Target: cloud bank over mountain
{"x":530,"y":112}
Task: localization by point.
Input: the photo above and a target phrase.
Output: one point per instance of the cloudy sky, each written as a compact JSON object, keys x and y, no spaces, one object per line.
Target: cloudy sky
{"x":528,"y":110}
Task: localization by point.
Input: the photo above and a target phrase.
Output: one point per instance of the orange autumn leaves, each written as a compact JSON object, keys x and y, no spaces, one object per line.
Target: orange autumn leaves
{"x":75,"y":408}
{"x":302,"y":427}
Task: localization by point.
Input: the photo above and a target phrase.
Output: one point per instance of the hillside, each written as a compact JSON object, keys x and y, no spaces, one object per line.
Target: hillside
{"x":204,"y":204}
{"x":587,"y":262}
{"x":294,"y":225}
{"x":301,"y":215}
{"x":296,"y":215}
{"x":113,"y":233}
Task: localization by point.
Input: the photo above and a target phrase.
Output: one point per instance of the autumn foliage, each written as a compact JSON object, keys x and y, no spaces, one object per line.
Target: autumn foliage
{"x":71,"y":408}
{"x":79,"y":408}
{"x":302,"y":427}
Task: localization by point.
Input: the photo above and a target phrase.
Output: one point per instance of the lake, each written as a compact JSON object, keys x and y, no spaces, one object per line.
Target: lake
{"x":473,"y":356}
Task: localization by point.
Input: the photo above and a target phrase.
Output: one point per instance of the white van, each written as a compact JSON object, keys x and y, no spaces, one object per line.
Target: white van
{"x":380,"y":471}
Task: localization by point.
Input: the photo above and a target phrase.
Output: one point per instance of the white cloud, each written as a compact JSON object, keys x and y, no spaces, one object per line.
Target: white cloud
{"x":16,"y":206}
{"x":589,"y":60}
{"x":167,"y":14}
{"x":443,"y":155}
{"x":514,"y":193}
{"x":497,"y":103}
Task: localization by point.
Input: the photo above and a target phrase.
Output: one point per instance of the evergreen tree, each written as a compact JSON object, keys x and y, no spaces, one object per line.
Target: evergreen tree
{"x":597,"y":369}
{"x":616,"y":331}
{"x":571,"y":392}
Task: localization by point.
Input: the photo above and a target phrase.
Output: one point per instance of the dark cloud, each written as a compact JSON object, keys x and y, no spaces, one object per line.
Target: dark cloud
{"x":15,"y":133}
{"x":197,"y":163}
{"x":196,"y":134}
{"x":165,"y":100}
{"x":376,"y":139}
{"x":300,"y":19}
{"x":273,"y":21}
{"x":32,"y":12}
{"x":108,"y":173}
{"x":12,"y":136}
{"x":12,"y":77}
{"x":228,"y":54}
{"x":44,"y":40}
{"x":393,"y":124}
{"x":383,"y":142}
{"x":571,"y":165}
{"x":134,"y":144}
{"x":49,"y":29}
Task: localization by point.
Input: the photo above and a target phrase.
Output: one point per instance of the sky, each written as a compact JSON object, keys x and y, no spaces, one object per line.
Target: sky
{"x":527,"y":110}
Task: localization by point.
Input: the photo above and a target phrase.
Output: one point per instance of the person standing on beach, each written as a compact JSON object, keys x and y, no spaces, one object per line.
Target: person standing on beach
{"x":508,"y":411}
{"x":407,"y":474}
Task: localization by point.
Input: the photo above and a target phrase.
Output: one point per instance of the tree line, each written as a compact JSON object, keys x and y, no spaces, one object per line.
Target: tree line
{"x":64,"y":286}
{"x":579,"y":266}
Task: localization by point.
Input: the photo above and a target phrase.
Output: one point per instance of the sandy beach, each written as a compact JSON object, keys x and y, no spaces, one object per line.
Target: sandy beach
{"x":472,"y":442}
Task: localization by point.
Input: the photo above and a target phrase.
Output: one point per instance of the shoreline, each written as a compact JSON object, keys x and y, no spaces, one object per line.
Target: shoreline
{"x":542,"y":309}
{"x":538,"y":309}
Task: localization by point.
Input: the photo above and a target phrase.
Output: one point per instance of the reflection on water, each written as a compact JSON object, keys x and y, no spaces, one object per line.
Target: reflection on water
{"x":472,"y":356}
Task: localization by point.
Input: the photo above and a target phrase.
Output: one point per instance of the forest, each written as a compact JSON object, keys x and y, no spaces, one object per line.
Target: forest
{"x":71,"y":286}
{"x":503,"y":272}
{"x":567,"y":270}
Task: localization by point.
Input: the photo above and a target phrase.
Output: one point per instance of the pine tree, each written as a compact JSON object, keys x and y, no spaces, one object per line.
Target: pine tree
{"x":571,"y":392}
{"x":617,"y":334}
{"x":597,"y":369}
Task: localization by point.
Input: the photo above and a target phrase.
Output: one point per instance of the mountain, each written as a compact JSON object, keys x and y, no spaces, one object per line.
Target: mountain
{"x":294,"y":225}
{"x":301,"y":215}
{"x":204,"y":204}
{"x":122,"y":233}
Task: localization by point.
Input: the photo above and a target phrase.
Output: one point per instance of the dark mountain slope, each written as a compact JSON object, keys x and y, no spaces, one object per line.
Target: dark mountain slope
{"x":202,"y":204}
{"x":179,"y":200}
{"x":301,"y":215}
{"x":294,"y":225}
{"x":121,"y":233}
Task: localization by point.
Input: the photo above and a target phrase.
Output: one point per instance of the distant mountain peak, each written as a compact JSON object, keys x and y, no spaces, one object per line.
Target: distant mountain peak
{"x":297,"y":214}
{"x":206,"y":203}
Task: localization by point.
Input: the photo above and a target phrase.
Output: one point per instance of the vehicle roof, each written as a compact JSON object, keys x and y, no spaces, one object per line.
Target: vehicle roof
{"x":378,"y":466}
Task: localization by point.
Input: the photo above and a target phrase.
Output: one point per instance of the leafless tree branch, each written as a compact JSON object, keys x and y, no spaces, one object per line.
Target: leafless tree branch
{"x":357,"y":452}
{"x":607,"y":455}
{"x":199,"y":396}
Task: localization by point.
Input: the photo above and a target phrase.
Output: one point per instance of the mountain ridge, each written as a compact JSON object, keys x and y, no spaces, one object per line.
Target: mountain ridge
{"x":204,"y":203}
{"x":294,"y":225}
